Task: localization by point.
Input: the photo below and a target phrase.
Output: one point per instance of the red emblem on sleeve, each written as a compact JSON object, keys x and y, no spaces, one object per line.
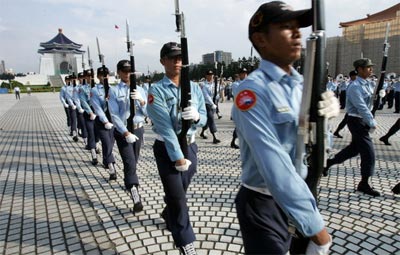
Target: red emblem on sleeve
{"x":150,"y":99}
{"x":245,"y":100}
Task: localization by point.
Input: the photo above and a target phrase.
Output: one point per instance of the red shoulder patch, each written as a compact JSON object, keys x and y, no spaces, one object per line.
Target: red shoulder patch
{"x":150,"y":99}
{"x":245,"y":100}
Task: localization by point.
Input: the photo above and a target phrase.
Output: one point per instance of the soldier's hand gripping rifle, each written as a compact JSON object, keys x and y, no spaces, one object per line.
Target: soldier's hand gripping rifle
{"x":92,"y":83}
{"x":377,"y":97}
{"x":105,"y":79}
{"x":310,"y":147}
{"x":184,"y":79}
{"x":132,"y":80}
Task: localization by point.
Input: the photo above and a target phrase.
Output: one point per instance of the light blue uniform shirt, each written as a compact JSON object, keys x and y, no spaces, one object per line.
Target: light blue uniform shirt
{"x":119,"y":106}
{"x":98,"y":102}
{"x":343,"y":86}
{"x":63,"y":94}
{"x":75,"y":97}
{"x":267,"y":133}
{"x":69,"y":95}
{"x":331,"y":86}
{"x":208,"y":92}
{"x":397,"y":86}
{"x":235,"y":86}
{"x":84,"y":97}
{"x":164,"y":100}
{"x":358,"y":100}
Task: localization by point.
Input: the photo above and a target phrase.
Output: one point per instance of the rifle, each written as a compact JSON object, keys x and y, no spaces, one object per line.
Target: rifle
{"x":215,"y":83}
{"x":377,"y":98}
{"x":184,"y":79}
{"x":83,"y":67}
{"x":92,"y":84}
{"x":132,"y":79}
{"x":105,"y":80}
{"x":312,"y":128}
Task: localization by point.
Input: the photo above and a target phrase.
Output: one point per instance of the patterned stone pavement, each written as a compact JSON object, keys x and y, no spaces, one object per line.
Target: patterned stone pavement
{"x":53,"y":201}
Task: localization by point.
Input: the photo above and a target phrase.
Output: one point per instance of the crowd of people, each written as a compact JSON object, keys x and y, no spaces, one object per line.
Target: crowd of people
{"x":273,"y":195}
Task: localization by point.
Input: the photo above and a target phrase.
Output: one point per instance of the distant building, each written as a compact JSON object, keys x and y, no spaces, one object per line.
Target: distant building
{"x":365,"y":38}
{"x":2,"y":67}
{"x":217,"y":56}
{"x":60,"y":56}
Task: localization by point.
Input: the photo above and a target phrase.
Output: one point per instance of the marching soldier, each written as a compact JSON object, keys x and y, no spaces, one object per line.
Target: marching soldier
{"x":242,"y":75}
{"x":266,"y":111}
{"x":361,"y":123}
{"x":82,"y":131}
{"x":175,"y":170}
{"x":69,"y":95}
{"x":119,"y":106}
{"x":89,"y":117}
{"x":208,"y":92}
{"x":63,"y":99}
{"x":103,"y":124}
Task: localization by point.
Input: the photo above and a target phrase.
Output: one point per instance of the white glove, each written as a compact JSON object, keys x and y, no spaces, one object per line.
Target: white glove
{"x":184,"y":167}
{"x":108,"y":125}
{"x":329,"y":106}
{"x":92,"y":116}
{"x":131,"y":138}
{"x":190,"y":113}
{"x":382,"y":93}
{"x":214,"y":106}
{"x":73,"y":107}
{"x":66,"y":105}
{"x":136,"y":95}
{"x":314,"y":249}
{"x":372,"y":130}
{"x":80,"y":110}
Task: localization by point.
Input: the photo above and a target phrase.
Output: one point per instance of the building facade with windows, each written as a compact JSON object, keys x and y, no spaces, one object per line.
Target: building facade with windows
{"x":217,"y":56}
{"x":365,"y":38}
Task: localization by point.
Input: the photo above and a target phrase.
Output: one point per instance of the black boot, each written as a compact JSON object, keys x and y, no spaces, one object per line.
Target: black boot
{"x":385,"y":140}
{"x":336,"y":133}
{"x":367,"y":189}
{"x":396,"y":189}
{"x":329,"y":163}
{"x":233,"y":145}
{"x":392,"y":131}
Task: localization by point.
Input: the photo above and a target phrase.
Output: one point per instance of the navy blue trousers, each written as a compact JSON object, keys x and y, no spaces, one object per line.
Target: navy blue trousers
{"x":127,"y":153}
{"x":73,"y":119}
{"x":81,"y":124}
{"x":107,"y":142}
{"x":92,"y":134}
{"x":175,"y":185}
{"x":210,"y":120}
{"x":138,"y":144}
{"x":68,"y":117}
{"x":361,"y":143}
{"x":263,"y":224}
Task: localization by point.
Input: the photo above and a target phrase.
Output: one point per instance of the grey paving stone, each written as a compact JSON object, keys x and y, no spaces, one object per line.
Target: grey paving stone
{"x":64,"y":196}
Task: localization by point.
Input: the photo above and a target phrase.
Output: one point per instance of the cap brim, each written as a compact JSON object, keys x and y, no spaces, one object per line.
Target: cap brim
{"x":305,"y":17}
{"x":174,"y":53}
{"x":125,"y":69}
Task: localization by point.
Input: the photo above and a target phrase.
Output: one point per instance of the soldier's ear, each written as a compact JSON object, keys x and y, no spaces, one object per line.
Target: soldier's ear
{"x":259,"y":39}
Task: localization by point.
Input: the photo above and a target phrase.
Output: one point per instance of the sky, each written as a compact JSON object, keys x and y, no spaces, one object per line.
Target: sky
{"x":210,"y":25}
